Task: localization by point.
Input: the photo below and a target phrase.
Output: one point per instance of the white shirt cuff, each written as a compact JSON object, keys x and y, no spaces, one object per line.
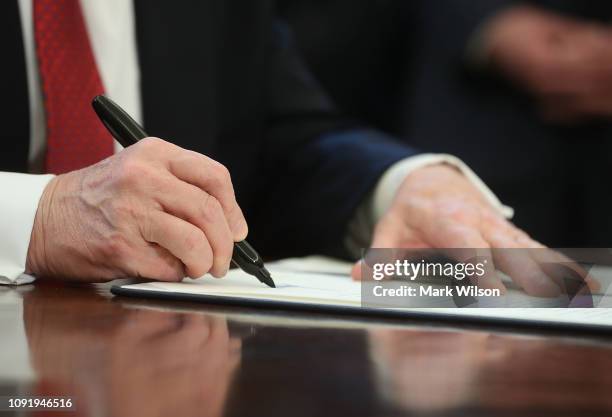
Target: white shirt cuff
{"x":21,"y":193}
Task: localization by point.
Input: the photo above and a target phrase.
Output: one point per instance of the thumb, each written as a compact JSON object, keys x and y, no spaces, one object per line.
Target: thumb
{"x":390,"y":233}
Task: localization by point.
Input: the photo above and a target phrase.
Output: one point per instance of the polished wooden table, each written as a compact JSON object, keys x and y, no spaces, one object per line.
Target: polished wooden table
{"x":127,"y":357}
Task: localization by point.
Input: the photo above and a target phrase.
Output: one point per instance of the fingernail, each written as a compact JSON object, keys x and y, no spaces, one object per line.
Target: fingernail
{"x":241,"y":231}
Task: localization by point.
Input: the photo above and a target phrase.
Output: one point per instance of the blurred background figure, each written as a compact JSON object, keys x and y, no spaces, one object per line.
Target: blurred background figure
{"x":522,"y":92}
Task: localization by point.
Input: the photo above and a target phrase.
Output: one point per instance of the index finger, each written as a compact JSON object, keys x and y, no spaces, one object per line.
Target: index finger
{"x":513,"y":251}
{"x":463,"y":243}
{"x":214,"y":178}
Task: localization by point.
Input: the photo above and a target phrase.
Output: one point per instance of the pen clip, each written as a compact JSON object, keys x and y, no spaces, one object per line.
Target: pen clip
{"x":247,"y":251}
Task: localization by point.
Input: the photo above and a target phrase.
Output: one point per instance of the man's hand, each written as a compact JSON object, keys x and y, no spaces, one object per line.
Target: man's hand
{"x":437,"y":207}
{"x":153,"y":210}
{"x":565,"y":63}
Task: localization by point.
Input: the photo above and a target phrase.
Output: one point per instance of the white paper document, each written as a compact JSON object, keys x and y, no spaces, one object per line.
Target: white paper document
{"x":316,"y":281}
{"x":321,"y":282}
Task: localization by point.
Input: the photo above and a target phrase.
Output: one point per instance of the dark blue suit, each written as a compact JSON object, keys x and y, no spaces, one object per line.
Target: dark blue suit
{"x":220,"y":78}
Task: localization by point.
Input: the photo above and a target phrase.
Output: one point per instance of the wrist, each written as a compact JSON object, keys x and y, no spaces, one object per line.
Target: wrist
{"x":36,"y":261}
{"x":440,"y":182}
{"x":425,"y":176}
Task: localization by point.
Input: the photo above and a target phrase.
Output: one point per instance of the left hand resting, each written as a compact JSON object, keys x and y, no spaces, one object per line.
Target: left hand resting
{"x":437,"y":207}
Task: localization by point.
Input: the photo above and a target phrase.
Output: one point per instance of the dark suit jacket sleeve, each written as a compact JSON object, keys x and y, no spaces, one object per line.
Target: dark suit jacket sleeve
{"x":320,"y":166}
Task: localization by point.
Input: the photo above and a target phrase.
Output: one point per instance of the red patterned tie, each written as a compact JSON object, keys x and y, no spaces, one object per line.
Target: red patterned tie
{"x":70,"y":79}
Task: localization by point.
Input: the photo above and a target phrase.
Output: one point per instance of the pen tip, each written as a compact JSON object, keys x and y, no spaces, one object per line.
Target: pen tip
{"x":265,"y":277}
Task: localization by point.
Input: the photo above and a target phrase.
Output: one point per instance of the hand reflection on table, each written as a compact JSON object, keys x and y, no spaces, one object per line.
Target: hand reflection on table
{"x":439,"y":370}
{"x":121,"y":362}
{"x":425,"y":370}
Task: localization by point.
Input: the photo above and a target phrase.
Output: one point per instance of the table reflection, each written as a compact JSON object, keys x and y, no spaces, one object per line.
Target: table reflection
{"x":122,"y":362}
{"x":426,"y":370}
{"x":448,"y":371}
{"x":119,"y":357}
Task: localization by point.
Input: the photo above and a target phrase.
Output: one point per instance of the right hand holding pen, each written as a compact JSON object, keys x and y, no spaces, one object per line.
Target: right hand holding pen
{"x":154,"y":210}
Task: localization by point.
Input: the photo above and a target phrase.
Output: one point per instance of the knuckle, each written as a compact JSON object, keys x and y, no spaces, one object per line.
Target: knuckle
{"x":211,"y":209}
{"x":205,"y":262}
{"x":164,"y":270}
{"x":132,"y":172}
{"x":146,"y":227}
{"x":194,"y":240}
{"x":154,"y":149}
{"x":160,"y":183}
{"x":196,"y":271}
{"x":221,"y":174}
{"x":170,"y":273}
{"x":167,"y":267}
{"x":235,"y":214}
{"x":152,"y":143}
{"x":115,"y":247}
{"x":201,"y":267}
